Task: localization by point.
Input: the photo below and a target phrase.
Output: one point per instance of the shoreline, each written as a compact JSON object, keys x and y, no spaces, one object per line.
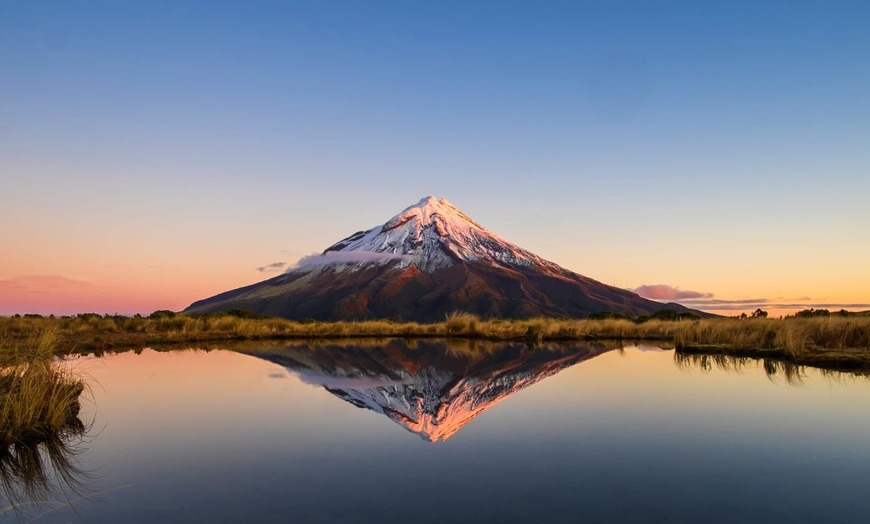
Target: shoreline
{"x":832,"y":342}
{"x":847,"y":360}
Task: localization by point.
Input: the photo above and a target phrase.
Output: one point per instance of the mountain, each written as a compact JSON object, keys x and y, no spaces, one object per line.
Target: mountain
{"x":431,"y":389}
{"x":424,"y":263}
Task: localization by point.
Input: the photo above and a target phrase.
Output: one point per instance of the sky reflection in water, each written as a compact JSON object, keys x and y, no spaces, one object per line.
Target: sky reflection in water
{"x":558,"y":434}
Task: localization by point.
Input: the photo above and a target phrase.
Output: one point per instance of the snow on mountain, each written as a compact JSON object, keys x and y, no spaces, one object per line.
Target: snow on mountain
{"x":431,"y":234}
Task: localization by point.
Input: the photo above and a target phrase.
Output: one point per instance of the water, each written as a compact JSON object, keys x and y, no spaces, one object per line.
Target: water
{"x":461,"y":432}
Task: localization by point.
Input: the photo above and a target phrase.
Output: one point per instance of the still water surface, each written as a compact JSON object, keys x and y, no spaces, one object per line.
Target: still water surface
{"x":462,"y":432}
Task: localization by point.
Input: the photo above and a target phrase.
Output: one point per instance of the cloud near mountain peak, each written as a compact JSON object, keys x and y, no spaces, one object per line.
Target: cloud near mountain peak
{"x":346,"y":257}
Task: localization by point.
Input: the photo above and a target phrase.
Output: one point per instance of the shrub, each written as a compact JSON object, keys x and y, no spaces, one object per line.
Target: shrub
{"x":161,"y":313}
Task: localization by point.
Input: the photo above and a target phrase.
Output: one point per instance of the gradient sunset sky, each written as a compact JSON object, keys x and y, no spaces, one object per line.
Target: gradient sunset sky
{"x":156,"y":153}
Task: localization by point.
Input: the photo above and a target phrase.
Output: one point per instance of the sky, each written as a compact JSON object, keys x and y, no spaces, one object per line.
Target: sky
{"x":153,"y":153}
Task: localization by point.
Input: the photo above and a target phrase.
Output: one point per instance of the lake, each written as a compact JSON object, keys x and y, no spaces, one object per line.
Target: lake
{"x":458,"y":431}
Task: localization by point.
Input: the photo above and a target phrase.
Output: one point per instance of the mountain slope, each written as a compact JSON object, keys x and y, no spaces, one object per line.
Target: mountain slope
{"x":429,"y":260}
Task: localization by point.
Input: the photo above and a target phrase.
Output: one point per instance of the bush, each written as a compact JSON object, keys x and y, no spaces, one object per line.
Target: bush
{"x":162,"y":313}
{"x":243,"y":313}
{"x":608,"y":315}
{"x":808,"y":313}
{"x":759,"y":313}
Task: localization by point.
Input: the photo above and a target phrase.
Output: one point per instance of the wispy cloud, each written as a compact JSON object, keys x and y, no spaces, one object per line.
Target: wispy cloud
{"x":720,"y":301}
{"x":740,"y":305}
{"x":45,"y":294}
{"x":346,"y":257}
{"x":347,"y":382}
{"x":42,"y":283}
{"x":62,"y":295}
{"x":273,"y":267}
{"x":666,"y":292}
{"x":707,"y":301}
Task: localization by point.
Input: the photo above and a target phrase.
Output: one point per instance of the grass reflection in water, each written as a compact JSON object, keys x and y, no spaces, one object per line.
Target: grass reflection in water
{"x":41,"y":434}
{"x":792,"y":373}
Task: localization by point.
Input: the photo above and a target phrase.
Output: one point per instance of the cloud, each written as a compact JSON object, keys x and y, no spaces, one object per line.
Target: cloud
{"x":42,"y":283}
{"x":730,"y":305}
{"x":707,"y":302}
{"x":666,"y":292}
{"x":741,"y":305}
{"x":346,"y":257}
{"x":46,"y":294}
{"x":333,"y":382}
{"x":274,"y":266}
{"x":61,"y":295}
{"x":718,"y":301}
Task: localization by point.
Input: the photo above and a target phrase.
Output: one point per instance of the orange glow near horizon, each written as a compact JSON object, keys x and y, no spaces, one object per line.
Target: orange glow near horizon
{"x":60,"y":274}
{"x":52,"y":294}
{"x":153,"y":290}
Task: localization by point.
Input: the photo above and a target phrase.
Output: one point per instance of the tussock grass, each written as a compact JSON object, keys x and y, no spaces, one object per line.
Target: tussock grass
{"x":96,"y":332}
{"x":38,"y":397}
{"x":819,"y":340}
{"x":840,"y":343}
{"x":39,"y":424}
{"x":796,"y":337}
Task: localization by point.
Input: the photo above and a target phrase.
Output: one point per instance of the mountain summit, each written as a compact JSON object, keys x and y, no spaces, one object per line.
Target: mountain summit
{"x":429,"y":260}
{"x":433,"y":234}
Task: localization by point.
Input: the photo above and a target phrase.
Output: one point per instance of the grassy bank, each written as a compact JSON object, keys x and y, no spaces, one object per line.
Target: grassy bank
{"x":95,"y":332}
{"x":829,"y":341}
{"x":811,"y":340}
{"x":39,"y":398}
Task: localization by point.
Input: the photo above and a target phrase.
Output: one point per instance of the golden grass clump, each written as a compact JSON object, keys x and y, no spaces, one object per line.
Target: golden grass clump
{"x":40,"y":432}
{"x":38,"y":396}
{"x":459,"y":322}
{"x":795,"y":336}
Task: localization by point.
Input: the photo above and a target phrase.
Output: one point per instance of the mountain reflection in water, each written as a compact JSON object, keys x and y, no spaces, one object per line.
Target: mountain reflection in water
{"x":228,"y":436}
{"x":431,"y":388}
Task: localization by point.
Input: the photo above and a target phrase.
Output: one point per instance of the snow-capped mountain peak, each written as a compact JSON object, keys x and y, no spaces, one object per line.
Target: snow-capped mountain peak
{"x":433,"y":234}
{"x":432,"y":210}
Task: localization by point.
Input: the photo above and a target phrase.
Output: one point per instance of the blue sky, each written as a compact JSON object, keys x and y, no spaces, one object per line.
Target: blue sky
{"x":717,"y":147}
